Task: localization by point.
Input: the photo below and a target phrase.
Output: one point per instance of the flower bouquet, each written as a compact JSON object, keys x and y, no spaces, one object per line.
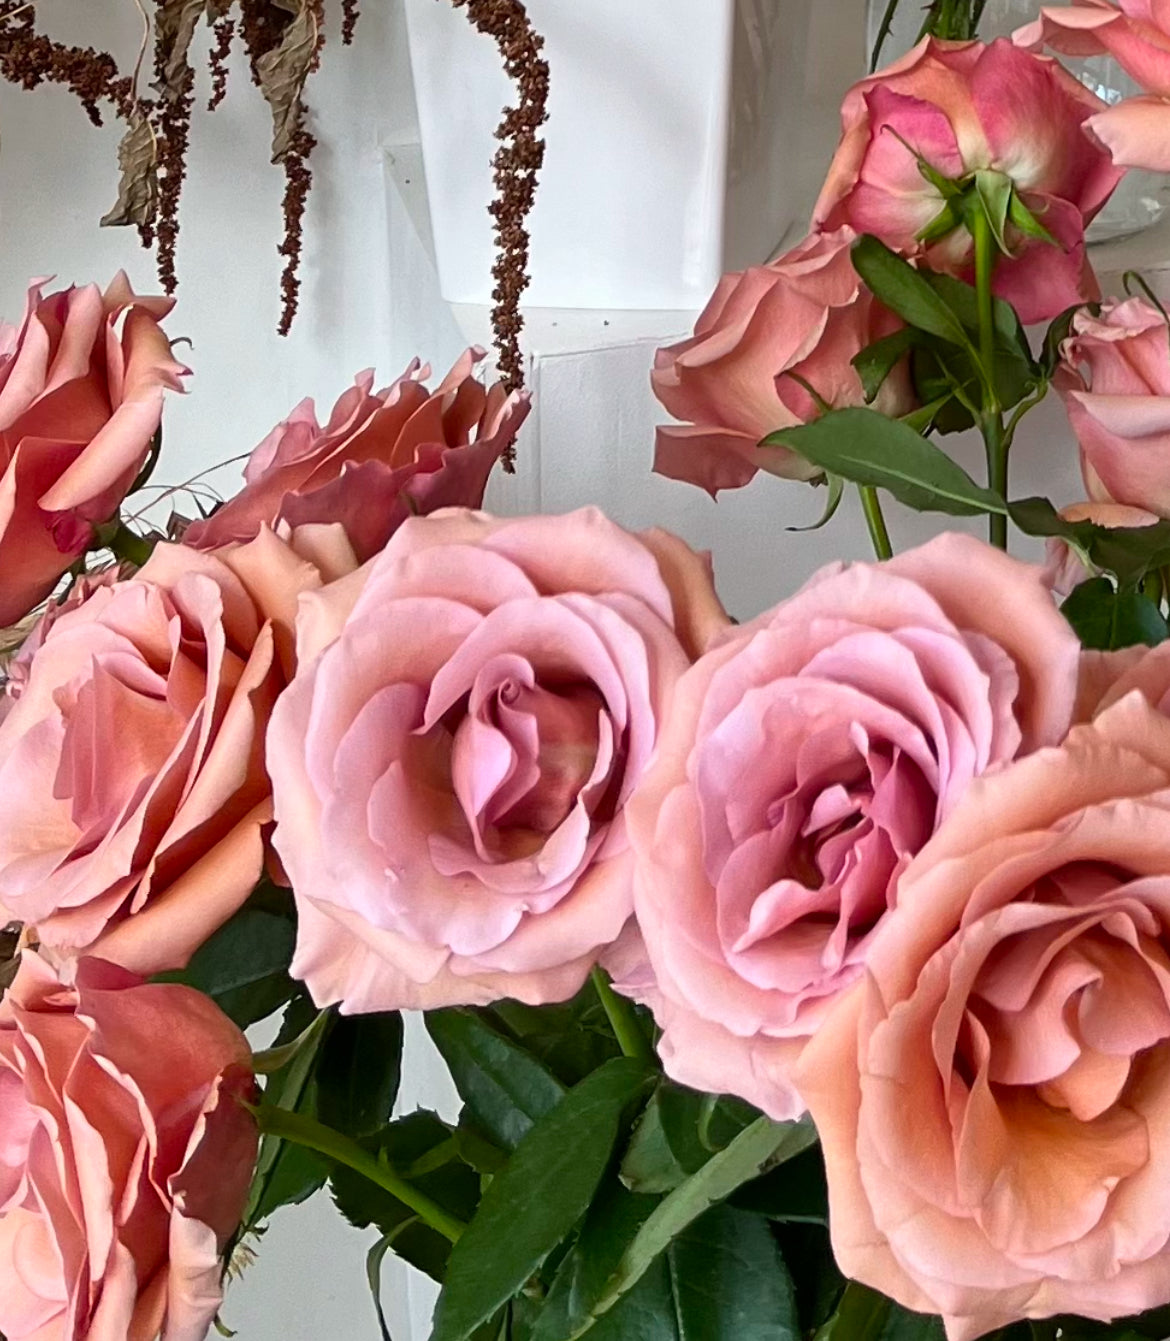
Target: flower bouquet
{"x":801,"y":978}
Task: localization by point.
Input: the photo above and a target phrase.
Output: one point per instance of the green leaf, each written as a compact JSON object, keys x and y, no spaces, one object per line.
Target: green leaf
{"x":572,"y":1039}
{"x":1057,"y":333}
{"x":867,"y":448}
{"x":359,"y":1071}
{"x":875,"y":362}
{"x":505,"y":1089}
{"x":905,"y":291}
{"x":832,"y":503}
{"x":1107,"y":619}
{"x":795,"y":1193}
{"x":994,"y":192}
{"x":865,"y":1315}
{"x":374,"y":1260}
{"x":532,"y":1204}
{"x":650,"y":1164}
{"x":819,"y":1283}
{"x":1127,"y":552}
{"x":1023,"y":219}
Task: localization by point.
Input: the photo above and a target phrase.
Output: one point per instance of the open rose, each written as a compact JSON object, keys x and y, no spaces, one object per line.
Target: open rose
{"x":1114,"y":379}
{"x":81,"y":398}
{"x":994,"y":1099}
{"x":382,"y":457}
{"x":1136,"y":33}
{"x":132,"y":749}
{"x":452,"y":761}
{"x":806,"y":759}
{"x":124,"y":1156}
{"x":765,"y":337}
{"x":961,"y":107}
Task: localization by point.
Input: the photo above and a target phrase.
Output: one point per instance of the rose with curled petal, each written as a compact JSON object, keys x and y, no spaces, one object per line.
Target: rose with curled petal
{"x":382,"y":457}
{"x":125,"y":1156}
{"x":962,"y":107}
{"x":807,"y":758}
{"x":766,"y":336}
{"x":452,"y":761}
{"x":1017,"y":1004}
{"x":81,"y":398}
{"x":132,"y":749}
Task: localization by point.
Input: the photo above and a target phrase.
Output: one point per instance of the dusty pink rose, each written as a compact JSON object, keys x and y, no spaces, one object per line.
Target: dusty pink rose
{"x":1137,"y":34}
{"x":81,"y":397}
{"x":963,"y":106}
{"x":124,"y":1156}
{"x":1063,"y":567}
{"x":994,"y":1098}
{"x":764,"y":333}
{"x":1115,"y":382}
{"x":382,"y":457}
{"x":132,"y":749}
{"x":806,"y":759}
{"x":452,"y":761}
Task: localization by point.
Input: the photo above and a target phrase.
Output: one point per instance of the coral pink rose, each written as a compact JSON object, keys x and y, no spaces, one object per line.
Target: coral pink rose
{"x":132,"y":750}
{"x":381,"y":458}
{"x":1063,"y":567}
{"x":452,"y":761}
{"x":125,"y":1157}
{"x":806,"y":759}
{"x":964,"y":106}
{"x":81,"y":398}
{"x":1115,"y":382}
{"x":764,"y":334}
{"x":1136,"y":33}
{"x":994,"y":1099}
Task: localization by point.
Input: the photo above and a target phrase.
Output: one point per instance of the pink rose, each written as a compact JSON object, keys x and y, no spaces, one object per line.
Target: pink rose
{"x":994,"y":1099}
{"x":132,"y":750}
{"x":125,"y":1158}
{"x":739,"y":377}
{"x":1115,"y":382}
{"x":962,"y":106}
{"x":1063,"y":567}
{"x":381,"y":458}
{"x":807,"y":758}
{"x":1137,"y":35}
{"x":451,"y":763}
{"x":81,"y":398}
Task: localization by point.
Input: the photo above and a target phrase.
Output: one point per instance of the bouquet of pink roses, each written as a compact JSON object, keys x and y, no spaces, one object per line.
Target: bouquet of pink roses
{"x":802,"y":978}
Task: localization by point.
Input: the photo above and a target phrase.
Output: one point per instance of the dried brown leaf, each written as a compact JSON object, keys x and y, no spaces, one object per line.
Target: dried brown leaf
{"x":175,"y":23}
{"x":282,"y":73}
{"x":137,"y":201}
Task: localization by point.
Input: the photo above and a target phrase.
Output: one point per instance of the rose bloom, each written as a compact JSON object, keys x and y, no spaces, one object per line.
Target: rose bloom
{"x":739,"y":377}
{"x":81,"y":397}
{"x":381,"y":458}
{"x":1136,"y":33}
{"x":452,"y":761}
{"x":125,"y":1157}
{"x":132,"y":749}
{"x":806,"y":759}
{"x":1063,"y":567}
{"x":1114,"y":379}
{"x":963,"y":106}
{"x":1016,"y":1009}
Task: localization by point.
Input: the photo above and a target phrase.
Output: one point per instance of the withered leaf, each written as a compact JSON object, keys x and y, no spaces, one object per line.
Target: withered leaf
{"x":282,"y":73}
{"x":137,"y":201}
{"x":175,"y":22}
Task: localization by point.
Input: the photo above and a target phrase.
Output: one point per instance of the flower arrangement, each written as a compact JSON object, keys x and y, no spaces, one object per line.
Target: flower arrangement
{"x":801,"y":978}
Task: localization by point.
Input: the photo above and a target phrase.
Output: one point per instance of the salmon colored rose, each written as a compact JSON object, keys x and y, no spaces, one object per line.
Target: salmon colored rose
{"x":961,"y":107}
{"x":993,"y":1099}
{"x":382,"y":457}
{"x":452,"y":761}
{"x":806,"y":760}
{"x":132,"y":749}
{"x":81,"y":397}
{"x":1114,"y":379}
{"x":764,"y":335}
{"x":125,"y":1157}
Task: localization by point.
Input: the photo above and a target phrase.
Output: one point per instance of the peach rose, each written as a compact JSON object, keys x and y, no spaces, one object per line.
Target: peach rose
{"x":1063,"y":567}
{"x":124,"y":1156}
{"x":452,"y":761}
{"x":961,"y":107}
{"x":381,"y":458}
{"x":81,"y":398}
{"x":1114,"y":379}
{"x":739,"y":377}
{"x":132,"y":749}
{"x":1016,"y":1005}
{"x":805,"y":761}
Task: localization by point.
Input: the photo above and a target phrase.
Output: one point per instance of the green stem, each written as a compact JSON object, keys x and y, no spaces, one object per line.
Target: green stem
{"x":127,"y":546}
{"x":622,"y":1019}
{"x":991,"y":419}
{"x":872,"y":507}
{"x":314,"y":1135}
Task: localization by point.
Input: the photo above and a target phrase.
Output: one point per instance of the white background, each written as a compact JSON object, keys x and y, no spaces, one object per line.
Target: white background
{"x":370,"y":299}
